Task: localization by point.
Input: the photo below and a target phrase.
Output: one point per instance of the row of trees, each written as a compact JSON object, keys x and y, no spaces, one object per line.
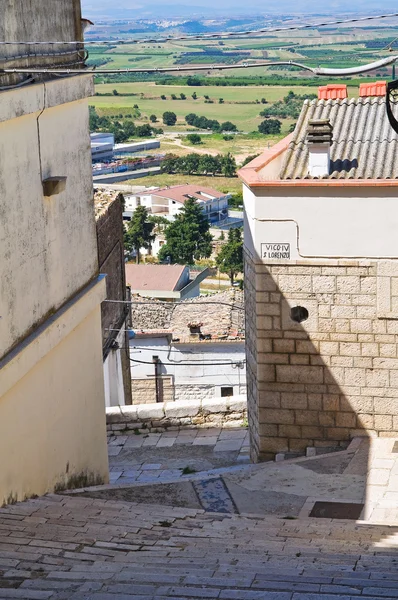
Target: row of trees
{"x":289,"y":107}
{"x":205,"y":123}
{"x":200,"y":164}
{"x":188,"y":239}
{"x":123,"y":129}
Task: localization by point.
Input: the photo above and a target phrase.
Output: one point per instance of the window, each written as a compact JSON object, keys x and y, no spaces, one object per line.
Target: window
{"x":227,"y":391}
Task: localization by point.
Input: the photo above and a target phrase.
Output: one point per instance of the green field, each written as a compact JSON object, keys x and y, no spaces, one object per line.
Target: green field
{"x":239,"y":106}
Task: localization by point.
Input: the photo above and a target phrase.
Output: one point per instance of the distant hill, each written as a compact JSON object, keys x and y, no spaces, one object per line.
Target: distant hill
{"x":106,"y":9}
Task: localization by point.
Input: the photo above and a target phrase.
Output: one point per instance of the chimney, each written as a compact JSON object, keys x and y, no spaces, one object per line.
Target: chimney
{"x":378,"y":88}
{"x":319,"y":140}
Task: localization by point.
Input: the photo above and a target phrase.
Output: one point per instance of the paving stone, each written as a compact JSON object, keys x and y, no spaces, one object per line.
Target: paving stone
{"x":205,"y":441}
{"x":228,"y":445}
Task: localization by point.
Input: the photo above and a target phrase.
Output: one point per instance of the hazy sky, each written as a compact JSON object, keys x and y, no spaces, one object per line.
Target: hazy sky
{"x":137,"y":8}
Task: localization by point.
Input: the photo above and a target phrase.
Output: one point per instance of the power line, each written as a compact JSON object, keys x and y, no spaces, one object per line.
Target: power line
{"x":190,"y":364}
{"x":214,"y":35}
{"x":177,"y":303}
{"x":315,"y":70}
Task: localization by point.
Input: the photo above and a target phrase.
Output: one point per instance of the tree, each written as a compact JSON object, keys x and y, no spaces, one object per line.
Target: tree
{"x":163,"y":97}
{"x":192,"y":80}
{"x":139,"y":232}
{"x":188,"y":237}
{"x":194,"y":96}
{"x":129,"y":129}
{"x":228,"y":126}
{"x":221,"y":100}
{"x":249,"y":159}
{"x":228,"y":165}
{"x":183,"y":96}
{"x":194,"y":138}
{"x":170,"y":163}
{"x":144,"y":130}
{"x":209,"y":165}
{"x":189,"y":164}
{"x":263,"y":101}
{"x":270,"y":126}
{"x":173,"y":97}
{"x":191,"y":118}
{"x":153,"y":118}
{"x":230,"y":258}
{"x":222,"y":236}
{"x":169,"y":118}
{"x":115,"y":92}
{"x":160,"y":223}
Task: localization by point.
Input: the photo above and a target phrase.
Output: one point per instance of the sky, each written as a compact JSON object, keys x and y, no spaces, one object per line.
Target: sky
{"x":118,"y":9}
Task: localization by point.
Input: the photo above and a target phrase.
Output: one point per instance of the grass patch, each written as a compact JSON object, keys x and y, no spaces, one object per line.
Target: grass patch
{"x":222,"y":184}
{"x":187,"y":471}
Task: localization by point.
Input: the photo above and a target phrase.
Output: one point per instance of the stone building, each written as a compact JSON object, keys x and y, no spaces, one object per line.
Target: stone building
{"x":190,"y":350}
{"x":114,"y":315}
{"x":52,"y":418}
{"x":321,"y":252}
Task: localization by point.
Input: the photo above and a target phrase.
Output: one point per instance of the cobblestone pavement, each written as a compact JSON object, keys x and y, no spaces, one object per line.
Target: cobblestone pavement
{"x":72,"y":548}
{"x":157,"y":457}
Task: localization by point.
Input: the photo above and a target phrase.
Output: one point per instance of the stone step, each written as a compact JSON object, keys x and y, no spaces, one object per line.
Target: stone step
{"x":70,"y":547}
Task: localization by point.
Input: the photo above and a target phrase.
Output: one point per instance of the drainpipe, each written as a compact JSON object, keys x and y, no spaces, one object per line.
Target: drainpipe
{"x":156,"y":362}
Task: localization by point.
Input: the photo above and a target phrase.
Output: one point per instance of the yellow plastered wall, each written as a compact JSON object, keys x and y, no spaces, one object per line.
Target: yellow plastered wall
{"x":52,"y":421}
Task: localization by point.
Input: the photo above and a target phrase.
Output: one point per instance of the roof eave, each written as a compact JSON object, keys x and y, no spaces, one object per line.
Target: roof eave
{"x":250,"y":176}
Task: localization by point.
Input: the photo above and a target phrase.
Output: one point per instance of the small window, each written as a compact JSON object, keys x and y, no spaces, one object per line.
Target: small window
{"x":299,"y":314}
{"x":227,"y":391}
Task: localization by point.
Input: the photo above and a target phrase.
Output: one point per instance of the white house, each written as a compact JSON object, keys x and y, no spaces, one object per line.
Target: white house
{"x":187,"y":369}
{"x":188,"y":350}
{"x":169,"y":201}
{"x":321,"y":279}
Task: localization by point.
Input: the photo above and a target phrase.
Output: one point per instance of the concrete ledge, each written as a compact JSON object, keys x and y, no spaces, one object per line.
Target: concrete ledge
{"x":217,"y":412}
{"x":182,"y":409}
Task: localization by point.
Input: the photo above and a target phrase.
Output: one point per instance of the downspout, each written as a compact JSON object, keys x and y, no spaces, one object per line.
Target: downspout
{"x":156,"y":362}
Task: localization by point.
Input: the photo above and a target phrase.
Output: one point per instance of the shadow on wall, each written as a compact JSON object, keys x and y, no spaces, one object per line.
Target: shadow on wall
{"x":315,"y":376}
{"x":305,"y":382}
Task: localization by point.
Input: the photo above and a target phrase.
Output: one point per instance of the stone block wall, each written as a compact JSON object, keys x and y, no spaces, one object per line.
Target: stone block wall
{"x":144,"y":390}
{"x":333,"y":376}
{"x":160,"y":417}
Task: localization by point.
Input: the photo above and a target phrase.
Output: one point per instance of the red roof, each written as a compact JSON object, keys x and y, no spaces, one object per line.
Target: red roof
{"x":332,"y":92}
{"x":153,"y":277}
{"x":181,"y":193}
{"x":378,"y":88}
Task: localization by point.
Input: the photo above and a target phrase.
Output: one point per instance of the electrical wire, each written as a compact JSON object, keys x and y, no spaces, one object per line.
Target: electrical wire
{"x":216,"y":35}
{"x":315,"y":70}
{"x":174,"y":304}
{"x":190,"y":364}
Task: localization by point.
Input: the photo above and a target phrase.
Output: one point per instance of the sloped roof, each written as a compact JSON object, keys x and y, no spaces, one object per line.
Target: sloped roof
{"x":364,"y":144}
{"x":153,"y":277}
{"x":181,"y":193}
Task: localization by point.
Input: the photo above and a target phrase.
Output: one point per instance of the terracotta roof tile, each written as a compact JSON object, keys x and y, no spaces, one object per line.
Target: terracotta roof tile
{"x":153,"y":277}
{"x":181,"y":193}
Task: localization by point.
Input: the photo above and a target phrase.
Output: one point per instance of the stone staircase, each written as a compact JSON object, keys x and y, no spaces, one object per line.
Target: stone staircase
{"x":80,"y":548}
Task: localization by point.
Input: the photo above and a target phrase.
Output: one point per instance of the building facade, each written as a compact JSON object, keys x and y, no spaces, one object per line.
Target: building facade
{"x":115,"y":310}
{"x":168,"y":202}
{"x":52,"y":419}
{"x":321,"y":260}
{"x":189,"y":350}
